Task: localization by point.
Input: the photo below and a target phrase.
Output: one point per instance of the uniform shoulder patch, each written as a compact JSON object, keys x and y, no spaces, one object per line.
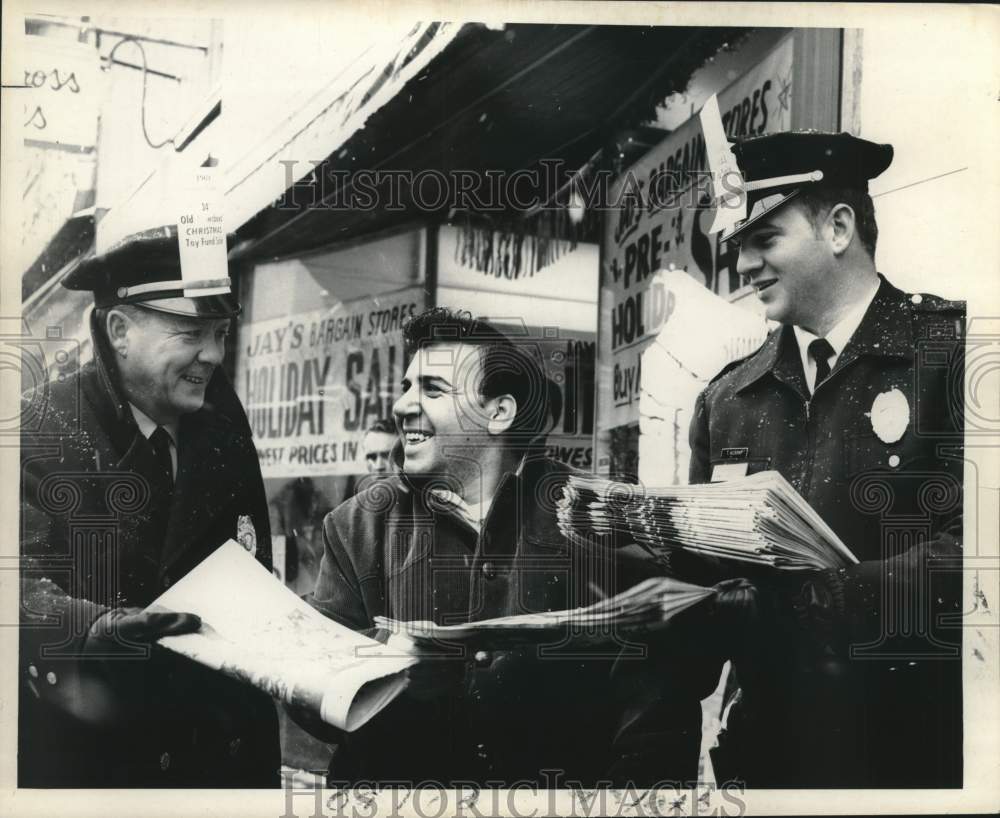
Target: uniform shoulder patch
{"x":927,"y":303}
{"x":729,"y":368}
{"x":937,"y":318}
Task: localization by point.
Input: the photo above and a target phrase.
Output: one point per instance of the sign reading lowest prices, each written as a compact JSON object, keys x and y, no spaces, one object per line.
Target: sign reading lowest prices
{"x":312,"y":383}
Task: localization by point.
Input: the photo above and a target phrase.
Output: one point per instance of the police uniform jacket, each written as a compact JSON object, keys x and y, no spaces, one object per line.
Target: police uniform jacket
{"x":576,"y":713}
{"x":98,"y":531}
{"x":853,"y":677}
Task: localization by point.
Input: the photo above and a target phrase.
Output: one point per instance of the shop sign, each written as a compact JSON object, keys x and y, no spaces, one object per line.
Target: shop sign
{"x":60,"y":90}
{"x":662,"y":223}
{"x":569,"y":364}
{"x":312,"y":383}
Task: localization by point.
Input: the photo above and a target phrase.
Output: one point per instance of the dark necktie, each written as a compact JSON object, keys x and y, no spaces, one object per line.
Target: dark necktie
{"x":821,"y":352}
{"x":159,"y":441}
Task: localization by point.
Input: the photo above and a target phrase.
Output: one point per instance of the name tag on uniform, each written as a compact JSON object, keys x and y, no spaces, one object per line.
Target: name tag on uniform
{"x":737,"y":464}
{"x":729,"y":471}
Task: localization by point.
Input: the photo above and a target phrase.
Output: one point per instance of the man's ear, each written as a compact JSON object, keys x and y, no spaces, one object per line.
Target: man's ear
{"x":841,"y":222}
{"x":117,"y":328}
{"x":501,"y":411}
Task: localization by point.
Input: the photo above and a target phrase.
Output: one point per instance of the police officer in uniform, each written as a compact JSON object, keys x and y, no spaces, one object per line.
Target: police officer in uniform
{"x":134,"y":470}
{"x":849,"y":677}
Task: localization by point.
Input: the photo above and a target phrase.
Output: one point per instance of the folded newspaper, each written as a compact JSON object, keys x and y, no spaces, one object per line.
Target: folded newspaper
{"x":642,"y":607}
{"x":757,"y":519}
{"x":257,"y":630}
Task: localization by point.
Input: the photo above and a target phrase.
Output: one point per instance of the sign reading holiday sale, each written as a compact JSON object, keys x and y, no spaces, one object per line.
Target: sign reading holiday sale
{"x":312,"y":383}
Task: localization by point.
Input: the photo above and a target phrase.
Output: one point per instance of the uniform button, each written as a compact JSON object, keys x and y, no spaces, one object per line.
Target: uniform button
{"x":489,"y":570}
{"x":33,"y":671}
{"x":50,"y":677}
{"x":916,"y":298}
{"x":167,"y":582}
{"x":894,"y":460}
{"x":165,"y":761}
{"x":234,"y":746}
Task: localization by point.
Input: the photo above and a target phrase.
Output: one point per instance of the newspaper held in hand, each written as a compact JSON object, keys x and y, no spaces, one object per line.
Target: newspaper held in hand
{"x":643,"y":607}
{"x":256,"y":630}
{"x":758,"y":519}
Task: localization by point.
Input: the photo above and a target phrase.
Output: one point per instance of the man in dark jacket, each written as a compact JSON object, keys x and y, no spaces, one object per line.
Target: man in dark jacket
{"x":132,"y":472}
{"x":469,"y":532}
{"x":850,"y":677}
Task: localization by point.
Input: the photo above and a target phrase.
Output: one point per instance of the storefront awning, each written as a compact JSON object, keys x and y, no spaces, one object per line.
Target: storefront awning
{"x":459,"y":98}
{"x":72,"y":240}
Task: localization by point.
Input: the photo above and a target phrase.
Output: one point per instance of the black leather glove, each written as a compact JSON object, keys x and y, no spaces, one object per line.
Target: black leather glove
{"x":436,"y":677}
{"x":106,"y":687}
{"x":122,"y":630}
{"x":737,"y":613}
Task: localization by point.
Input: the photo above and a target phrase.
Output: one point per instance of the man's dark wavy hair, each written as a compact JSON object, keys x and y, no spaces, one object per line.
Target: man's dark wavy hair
{"x":508,"y":367}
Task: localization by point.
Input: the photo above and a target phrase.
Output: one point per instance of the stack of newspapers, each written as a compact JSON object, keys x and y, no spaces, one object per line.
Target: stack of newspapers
{"x":758,"y":519}
{"x":642,"y":607}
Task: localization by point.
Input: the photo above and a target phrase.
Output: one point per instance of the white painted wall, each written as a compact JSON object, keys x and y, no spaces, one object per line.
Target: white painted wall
{"x":562,"y":295}
{"x":928,"y":85}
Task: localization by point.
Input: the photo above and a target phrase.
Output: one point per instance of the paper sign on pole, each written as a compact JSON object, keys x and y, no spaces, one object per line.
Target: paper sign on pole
{"x":201,"y":235}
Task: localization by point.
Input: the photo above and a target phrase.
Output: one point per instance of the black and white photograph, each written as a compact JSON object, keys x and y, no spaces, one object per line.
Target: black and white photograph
{"x":524,"y":408}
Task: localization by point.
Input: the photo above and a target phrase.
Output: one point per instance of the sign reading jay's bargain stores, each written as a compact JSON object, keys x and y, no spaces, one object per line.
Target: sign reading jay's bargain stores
{"x":313,"y":382}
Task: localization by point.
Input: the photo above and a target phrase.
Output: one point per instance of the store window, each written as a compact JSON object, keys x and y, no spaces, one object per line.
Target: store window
{"x":319,"y":359}
{"x":552,"y":308}
{"x":672,"y":309}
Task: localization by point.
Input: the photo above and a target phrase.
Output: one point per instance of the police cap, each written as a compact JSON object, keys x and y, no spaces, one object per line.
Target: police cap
{"x":145,"y":269}
{"x":778,"y":167}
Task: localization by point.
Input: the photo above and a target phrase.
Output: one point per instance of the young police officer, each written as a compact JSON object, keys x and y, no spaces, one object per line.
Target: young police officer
{"x":848,"y":678}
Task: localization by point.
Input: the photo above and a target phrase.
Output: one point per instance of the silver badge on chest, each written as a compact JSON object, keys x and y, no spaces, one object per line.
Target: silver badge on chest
{"x":890,"y":415}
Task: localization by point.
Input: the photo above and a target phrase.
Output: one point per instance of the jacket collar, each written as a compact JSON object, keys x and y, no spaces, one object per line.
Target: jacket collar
{"x":107,"y":395}
{"x":885,"y":331}
{"x":522,"y":494}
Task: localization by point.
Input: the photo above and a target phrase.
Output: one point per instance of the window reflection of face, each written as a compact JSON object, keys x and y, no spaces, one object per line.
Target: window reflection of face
{"x":378,"y":451}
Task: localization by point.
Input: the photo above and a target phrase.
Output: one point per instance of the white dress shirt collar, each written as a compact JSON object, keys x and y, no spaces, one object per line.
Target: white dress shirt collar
{"x":838,"y":336}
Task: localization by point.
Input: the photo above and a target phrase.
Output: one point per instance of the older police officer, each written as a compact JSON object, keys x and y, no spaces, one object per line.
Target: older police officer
{"x":848,"y":678}
{"x":139,"y":468}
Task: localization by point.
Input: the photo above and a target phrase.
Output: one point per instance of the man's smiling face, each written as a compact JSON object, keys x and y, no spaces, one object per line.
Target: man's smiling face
{"x":170,"y":360}
{"x":790,"y":264}
{"x":440,"y":413}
